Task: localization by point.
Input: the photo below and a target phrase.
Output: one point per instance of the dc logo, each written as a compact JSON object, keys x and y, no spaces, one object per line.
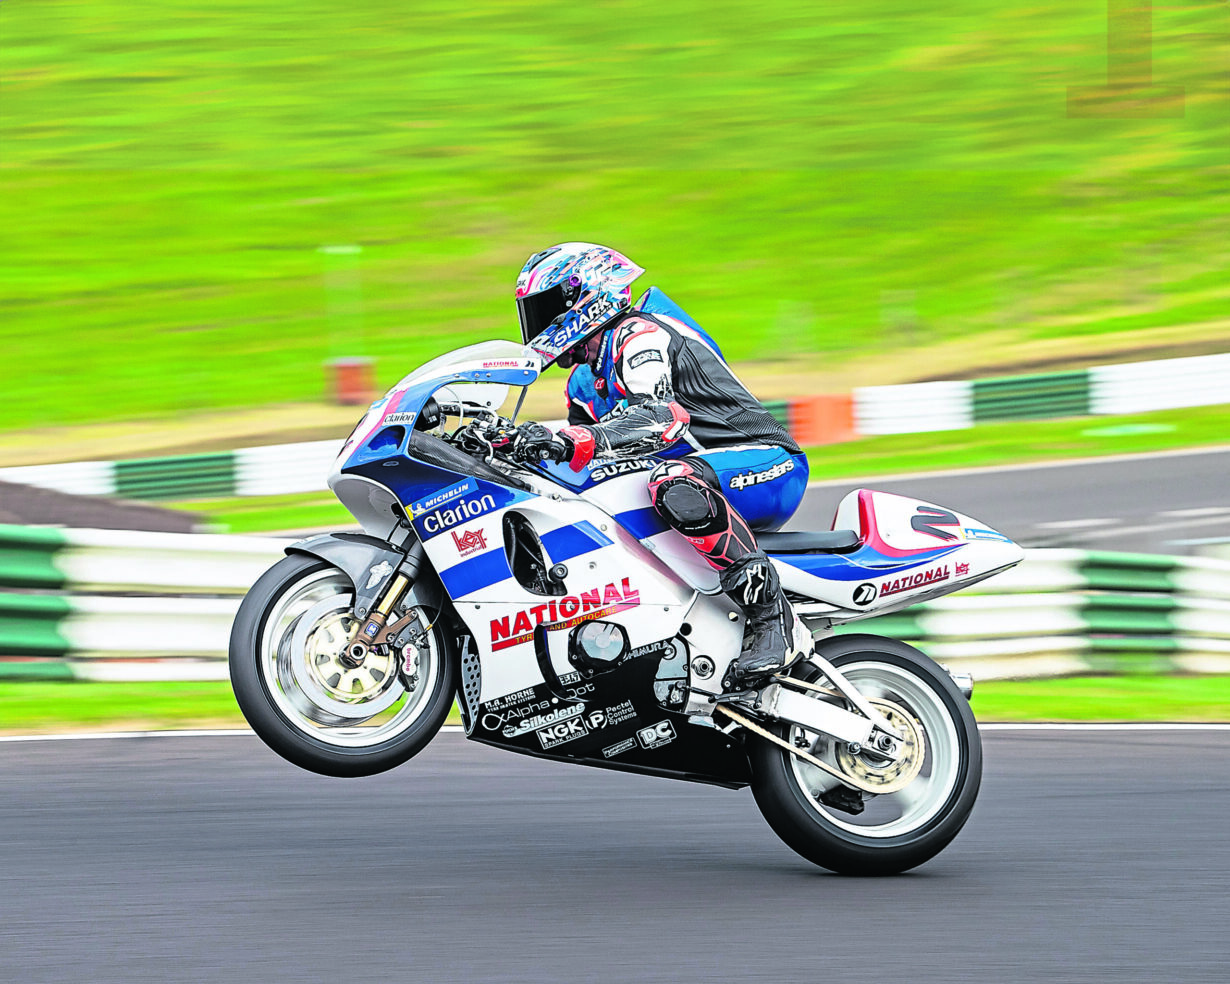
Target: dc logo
{"x":864,"y":594}
{"x":656,"y":734}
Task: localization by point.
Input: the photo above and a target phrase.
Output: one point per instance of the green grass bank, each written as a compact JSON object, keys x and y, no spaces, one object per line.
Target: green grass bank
{"x":816,"y":184}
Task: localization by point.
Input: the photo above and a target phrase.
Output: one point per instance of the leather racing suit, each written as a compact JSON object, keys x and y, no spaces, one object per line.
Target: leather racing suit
{"x":658,"y":387}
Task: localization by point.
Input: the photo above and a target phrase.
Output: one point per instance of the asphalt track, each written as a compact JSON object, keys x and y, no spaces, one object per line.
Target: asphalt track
{"x":1091,"y":856}
{"x":1172,"y":502}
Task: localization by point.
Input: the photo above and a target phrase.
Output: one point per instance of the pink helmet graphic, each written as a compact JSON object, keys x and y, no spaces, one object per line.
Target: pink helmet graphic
{"x":567,"y":292}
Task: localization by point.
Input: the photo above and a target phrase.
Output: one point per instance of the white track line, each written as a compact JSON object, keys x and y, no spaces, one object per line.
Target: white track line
{"x":455,"y":729}
{"x":855,"y":481}
{"x":204,"y":733}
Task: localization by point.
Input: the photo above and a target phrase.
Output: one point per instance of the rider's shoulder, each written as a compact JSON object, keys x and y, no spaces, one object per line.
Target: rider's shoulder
{"x":642,"y":327}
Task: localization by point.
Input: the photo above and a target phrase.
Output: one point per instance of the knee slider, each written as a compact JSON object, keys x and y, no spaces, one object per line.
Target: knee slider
{"x":683,"y":501}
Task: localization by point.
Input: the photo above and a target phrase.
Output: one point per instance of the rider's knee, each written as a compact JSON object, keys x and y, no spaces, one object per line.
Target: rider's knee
{"x":682,"y":497}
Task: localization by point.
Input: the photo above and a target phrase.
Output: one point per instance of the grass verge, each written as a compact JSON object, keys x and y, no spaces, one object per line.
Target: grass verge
{"x":37,"y":707}
{"x":1018,"y":442}
{"x":1011,"y":442}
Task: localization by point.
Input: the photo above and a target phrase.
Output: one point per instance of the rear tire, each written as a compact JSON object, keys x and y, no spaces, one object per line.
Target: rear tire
{"x":898,"y":831}
{"x":311,"y":710}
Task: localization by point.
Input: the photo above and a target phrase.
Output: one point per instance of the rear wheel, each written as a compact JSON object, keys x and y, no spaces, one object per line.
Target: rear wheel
{"x":309,"y":705}
{"x":900,"y":829}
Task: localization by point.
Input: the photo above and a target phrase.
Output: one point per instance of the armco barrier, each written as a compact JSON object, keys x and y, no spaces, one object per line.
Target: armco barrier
{"x":124,"y":560}
{"x":1059,"y":613}
{"x":1061,"y":394}
{"x":1064,"y":612}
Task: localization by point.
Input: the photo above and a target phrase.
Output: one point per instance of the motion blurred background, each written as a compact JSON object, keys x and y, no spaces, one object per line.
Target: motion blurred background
{"x":206,"y":205}
{"x":878,"y":192}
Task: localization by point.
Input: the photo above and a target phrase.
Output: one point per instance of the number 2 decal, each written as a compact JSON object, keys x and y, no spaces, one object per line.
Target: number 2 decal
{"x":928,"y":518}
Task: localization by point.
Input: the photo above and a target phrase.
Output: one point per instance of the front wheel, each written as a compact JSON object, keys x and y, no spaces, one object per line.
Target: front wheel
{"x":812,"y":811}
{"x":308,"y":704}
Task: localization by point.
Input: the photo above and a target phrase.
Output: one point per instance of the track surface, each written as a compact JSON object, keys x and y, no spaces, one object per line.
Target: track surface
{"x":1090,"y":857}
{"x":1163,"y":503}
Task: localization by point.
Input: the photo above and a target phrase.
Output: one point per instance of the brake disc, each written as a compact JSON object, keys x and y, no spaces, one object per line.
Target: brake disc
{"x":319,"y":684}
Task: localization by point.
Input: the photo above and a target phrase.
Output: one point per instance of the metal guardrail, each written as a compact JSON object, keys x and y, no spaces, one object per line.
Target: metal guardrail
{"x":909,"y":408}
{"x":1060,"y":394}
{"x":107,"y":604}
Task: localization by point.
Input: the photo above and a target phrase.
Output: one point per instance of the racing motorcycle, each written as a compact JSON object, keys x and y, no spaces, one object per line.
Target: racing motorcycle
{"x":568,"y":622}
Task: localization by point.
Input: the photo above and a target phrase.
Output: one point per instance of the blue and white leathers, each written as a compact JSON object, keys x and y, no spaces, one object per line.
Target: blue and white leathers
{"x":764,"y":480}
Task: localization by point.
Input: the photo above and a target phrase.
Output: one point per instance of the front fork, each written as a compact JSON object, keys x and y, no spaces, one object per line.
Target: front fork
{"x":377,"y":630}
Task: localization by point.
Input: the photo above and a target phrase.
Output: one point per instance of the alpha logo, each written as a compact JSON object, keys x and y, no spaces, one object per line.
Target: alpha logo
{"x":563,"y":613}
{"x":378,"y":574}
{"x":557,"y":734}
{"x":864,"y":594}
{"x":745,"y":479}
{"x":910,"y":581}
{"x":656,"y":735}
{"x":442,"y":519}
{"x":494,"y":717}
{"x":565,"y":713}
{"x":619,"y":748}
{"x":928,"y":519}
{"x":609,"y":716}
{"x":613,"y":468}
{"x":471,"y":541}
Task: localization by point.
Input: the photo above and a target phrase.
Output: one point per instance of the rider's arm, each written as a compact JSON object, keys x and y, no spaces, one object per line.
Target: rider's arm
{"x":653,"y":419}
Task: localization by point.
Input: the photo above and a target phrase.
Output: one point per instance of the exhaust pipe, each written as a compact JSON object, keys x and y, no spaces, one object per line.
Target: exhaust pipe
{"x":964,"y":681}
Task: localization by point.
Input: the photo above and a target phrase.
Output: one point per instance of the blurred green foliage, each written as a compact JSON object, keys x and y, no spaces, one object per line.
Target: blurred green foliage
{"x":818,"y":181}
{"x":32,"y":707}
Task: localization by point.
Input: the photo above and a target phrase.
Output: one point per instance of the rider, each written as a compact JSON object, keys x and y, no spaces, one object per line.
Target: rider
{"x":648,"y":384}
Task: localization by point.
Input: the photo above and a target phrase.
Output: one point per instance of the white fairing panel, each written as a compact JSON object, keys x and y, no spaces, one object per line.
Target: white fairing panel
{"x":610,"y":575}
{"x":911,"y":551}
{"x":630,"y":493}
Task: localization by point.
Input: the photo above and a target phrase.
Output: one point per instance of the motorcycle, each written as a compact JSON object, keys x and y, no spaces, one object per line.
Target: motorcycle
{"x":568,"y":622}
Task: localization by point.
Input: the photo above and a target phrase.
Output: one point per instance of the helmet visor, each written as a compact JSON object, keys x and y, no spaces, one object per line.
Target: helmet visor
{"x":537,"y":311}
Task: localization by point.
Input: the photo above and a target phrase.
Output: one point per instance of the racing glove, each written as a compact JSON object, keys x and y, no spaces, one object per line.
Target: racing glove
{"x":643,"y":428}
{"x":535,"y":442}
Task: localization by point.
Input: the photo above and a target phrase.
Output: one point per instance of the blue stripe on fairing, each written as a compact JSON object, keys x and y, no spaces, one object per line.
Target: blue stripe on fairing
{"x":572,"y":541}
{"x":642,"y":523}
{"x":861,"y":565}
{"x":476,"y":573}
{"x":492,"y":567}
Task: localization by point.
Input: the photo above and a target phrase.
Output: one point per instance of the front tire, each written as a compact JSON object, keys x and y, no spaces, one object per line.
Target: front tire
{"x":313,"y":710}
{"x":898,"y":830}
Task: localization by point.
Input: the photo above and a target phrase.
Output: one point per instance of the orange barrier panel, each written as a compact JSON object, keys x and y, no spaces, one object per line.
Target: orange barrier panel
{"x":351,"y":382}
{"x":824,"y":419}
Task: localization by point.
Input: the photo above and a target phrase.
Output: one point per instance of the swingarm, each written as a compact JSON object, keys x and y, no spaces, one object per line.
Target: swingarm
{"x":878,"y":728}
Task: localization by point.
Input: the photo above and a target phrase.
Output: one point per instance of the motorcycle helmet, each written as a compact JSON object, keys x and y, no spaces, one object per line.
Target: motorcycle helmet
{"x":568,"y":292}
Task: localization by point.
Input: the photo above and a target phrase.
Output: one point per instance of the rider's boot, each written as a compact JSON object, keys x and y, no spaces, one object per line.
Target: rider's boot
{"x":769,"y":638}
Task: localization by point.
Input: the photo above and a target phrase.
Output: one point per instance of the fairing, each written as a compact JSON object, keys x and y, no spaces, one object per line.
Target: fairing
{"x":610,"y":559}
